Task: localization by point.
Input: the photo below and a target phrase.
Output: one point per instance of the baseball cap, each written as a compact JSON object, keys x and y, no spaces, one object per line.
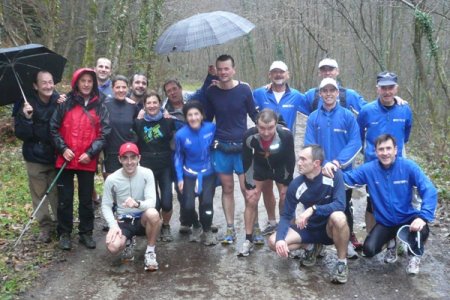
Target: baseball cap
{"x":128,"y":147}
{"x":413,"y":239}
{"x":278,"y":64}
{"x":328,"y":62}
{"x":328,"y":81}
{"x":386,"y":78}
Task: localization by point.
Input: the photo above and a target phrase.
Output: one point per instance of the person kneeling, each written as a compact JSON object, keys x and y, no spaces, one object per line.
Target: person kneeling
{"x":322,"y":222}
{"x":132,"y":188}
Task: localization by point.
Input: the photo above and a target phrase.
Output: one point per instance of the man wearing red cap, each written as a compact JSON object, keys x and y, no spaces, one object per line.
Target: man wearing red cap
{"x":79,"y":128}
{"x":132,"y":188}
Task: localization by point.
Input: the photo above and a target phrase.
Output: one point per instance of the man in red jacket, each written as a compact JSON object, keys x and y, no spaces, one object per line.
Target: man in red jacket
{"x":79,"y":128}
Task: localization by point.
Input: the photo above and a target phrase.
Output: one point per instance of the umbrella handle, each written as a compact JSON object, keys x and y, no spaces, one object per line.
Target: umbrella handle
{"x":20,"y":86}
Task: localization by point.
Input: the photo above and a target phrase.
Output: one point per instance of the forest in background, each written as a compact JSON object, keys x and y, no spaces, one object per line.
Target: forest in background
{"x":408,"y":37}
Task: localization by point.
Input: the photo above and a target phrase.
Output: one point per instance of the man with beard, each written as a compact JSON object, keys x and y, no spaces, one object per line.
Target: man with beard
{"x":286,"y":102}
{"x":138,"y":89}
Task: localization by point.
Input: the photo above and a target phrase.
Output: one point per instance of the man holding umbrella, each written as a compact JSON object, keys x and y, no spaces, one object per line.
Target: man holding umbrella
{"x":79,"y":128}
{"x":32,"y":127}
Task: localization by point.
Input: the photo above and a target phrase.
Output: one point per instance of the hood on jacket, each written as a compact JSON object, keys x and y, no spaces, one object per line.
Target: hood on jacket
{"x":77,"y":75}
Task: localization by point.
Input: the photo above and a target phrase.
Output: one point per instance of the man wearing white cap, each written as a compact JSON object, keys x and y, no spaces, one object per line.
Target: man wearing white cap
{"x":335,"y":129}
{"x":286,"y":102}
{"x":348,"y":98}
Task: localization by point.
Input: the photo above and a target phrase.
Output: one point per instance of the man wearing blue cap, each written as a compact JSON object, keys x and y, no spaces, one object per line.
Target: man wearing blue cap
{"x":390,"y":181}
{"x":385,"y":115}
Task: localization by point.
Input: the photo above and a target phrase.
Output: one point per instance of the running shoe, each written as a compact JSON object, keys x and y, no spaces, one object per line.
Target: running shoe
{"x":340,"y":273}
{"x":230,"y":236}
{"x":128,"y":253}
{"x":258,"y":239}
{"x":310,"y":257}
{"x":413,"y":266}
{"x":356,"y":244}
{"x":247,"y":247}
{"x":269,"y":229}
{"x":196,"y":235}
{"x":166,"y":235}
{"x":150,"y":262}
{"x":390,"y":255}
{"x":184,"y":229}
{"x":210,"y":238}
{"x":351,"y":253}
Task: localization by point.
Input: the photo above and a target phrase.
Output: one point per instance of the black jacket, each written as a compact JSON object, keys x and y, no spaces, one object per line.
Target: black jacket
{"x":35,"y":132}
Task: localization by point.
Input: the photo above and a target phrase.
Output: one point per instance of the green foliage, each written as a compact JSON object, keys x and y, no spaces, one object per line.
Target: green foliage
{"x":425,"y":22}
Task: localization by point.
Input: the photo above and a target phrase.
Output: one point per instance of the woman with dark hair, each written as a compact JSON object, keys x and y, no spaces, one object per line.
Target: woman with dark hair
{"x":155,"y":134}
{"x":195,"y":172}
{"x":122,"y":113}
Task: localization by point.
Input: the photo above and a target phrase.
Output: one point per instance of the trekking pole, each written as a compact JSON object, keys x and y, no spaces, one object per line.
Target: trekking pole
{"x":27,"y":226}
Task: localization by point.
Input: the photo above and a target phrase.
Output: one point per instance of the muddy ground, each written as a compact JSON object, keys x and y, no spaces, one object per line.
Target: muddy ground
{"x":193,"y":271}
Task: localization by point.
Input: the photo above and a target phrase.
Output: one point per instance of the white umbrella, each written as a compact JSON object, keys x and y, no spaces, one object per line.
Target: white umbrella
{"x":202,"y":30}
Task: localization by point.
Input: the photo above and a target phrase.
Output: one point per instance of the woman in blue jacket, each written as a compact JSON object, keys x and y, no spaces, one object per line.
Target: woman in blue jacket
{"x":194,"y":169}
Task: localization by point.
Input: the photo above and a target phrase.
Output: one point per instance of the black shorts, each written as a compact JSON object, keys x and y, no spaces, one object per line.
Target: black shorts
{"x":111,"y":163}
{"x":131,"y":227}
{"x":278,"y":175}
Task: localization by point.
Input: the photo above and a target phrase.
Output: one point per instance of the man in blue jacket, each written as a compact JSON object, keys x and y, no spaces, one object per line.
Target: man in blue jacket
{"x":334,"y":128}
{"x":286,"y":102}
{"x":384,"y":115}
{"x":390,"y":180}
{"x":348,"y":98}
{"x":323,"y":220}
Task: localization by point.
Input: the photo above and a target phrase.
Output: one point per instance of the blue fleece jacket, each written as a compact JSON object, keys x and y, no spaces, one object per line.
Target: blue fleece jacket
{"x":375,"y":120}
{"x":353,"y":101}
{"x":391,"y":190}
{"x":290,"y":103}
{"x":192,"y":150}
{"x":337,"y":132}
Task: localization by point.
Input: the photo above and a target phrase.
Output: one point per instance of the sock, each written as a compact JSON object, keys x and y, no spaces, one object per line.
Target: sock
{"x":309,"y":247}
{"x":273,"y":222}
{"x":391,"y":243}
{"x":150,"y":249}
{"x":249,"y":237}
{"x":230,"y":226}
{"x":344,"y":260}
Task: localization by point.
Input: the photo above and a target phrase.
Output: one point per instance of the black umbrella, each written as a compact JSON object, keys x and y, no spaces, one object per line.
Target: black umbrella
{"x":19,"y":66}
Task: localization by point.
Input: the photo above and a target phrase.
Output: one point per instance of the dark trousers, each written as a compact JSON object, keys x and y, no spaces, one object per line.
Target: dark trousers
{"x":206,"y":197}
{"x":163,"y":184}
{"x":349,"y":209}
{"x":65,"y":201}
{"x":381,"y":234}
{"x":183,"y":217}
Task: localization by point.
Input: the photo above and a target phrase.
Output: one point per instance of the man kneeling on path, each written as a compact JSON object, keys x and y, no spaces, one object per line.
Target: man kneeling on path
{"x":390,"y":181}
{"x":132,"y":188}
{"x":323,"y":221}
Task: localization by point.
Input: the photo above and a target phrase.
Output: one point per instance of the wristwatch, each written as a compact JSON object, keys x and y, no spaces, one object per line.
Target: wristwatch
{"x":314,"y":208}
{"x":138,"y":204}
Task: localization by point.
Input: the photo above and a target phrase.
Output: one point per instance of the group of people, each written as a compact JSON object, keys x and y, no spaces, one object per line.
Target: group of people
{"x":193,"y":142}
